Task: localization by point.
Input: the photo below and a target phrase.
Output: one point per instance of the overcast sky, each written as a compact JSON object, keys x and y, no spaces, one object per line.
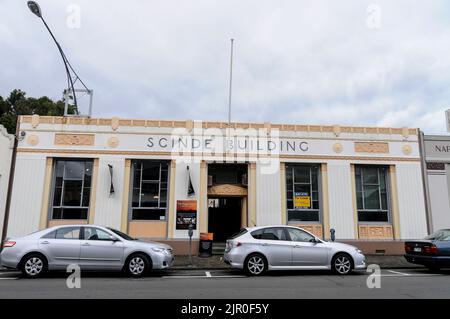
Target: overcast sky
{"x":307,"y":62}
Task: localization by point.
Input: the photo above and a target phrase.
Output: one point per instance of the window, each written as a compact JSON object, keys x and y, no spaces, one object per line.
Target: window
{"x":302,"y":193}
{"x":372,"y":193}
{"x":150,"y":182}
{"x":276,"y":233}
{"x":440,"y":235}
{"x":68,"y":233}
{"x":123,"y":235}
{"x":72,"y":189}
{"x":91,"y":233}
{"x":50,"y":235}
{"x":299,"y":235}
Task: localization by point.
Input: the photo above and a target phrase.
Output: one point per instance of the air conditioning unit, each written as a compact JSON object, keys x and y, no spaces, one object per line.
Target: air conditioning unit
{"x":210,"y":180}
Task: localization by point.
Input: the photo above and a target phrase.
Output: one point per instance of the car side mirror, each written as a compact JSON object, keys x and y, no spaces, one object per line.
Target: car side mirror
{"x":314,"y":240}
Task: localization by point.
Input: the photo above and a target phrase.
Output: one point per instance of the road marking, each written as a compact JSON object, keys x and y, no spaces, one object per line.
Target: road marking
{"x":204,"y":277}
{"x":8,"y":278}
{"x":399,"y":273}
{"x":208,"y":274}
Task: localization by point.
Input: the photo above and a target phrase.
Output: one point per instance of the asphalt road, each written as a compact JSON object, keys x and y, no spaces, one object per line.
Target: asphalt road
{"x":192,"y":284}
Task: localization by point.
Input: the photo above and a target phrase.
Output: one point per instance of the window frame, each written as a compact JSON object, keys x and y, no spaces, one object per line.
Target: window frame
{"x":132,"y":187}
{"x":319,"y":193}
{"x":53,"y":189}
{"x":388,"y":209}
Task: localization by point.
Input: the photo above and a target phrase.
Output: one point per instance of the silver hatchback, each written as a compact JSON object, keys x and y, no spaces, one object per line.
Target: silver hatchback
{"x":258,"y":249}
{"x":88,"y":246}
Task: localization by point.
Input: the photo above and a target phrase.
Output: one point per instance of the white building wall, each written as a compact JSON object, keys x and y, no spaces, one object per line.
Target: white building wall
{"x":26,"y":201}
{"x":108,"y":207}
{"x":181,"y":186}
{"x":340,"y":199}
{"x":6,"y":145}
{"x":411,"y":202}
{"x":439,"y":199}
{"x":268,"y":194}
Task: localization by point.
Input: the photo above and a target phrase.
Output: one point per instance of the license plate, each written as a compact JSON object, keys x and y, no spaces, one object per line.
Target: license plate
{"x":417,"y":249}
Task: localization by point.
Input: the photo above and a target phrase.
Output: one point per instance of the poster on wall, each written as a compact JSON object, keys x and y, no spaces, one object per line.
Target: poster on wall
{"x":302,"y":200}
{"x":186,"y":214}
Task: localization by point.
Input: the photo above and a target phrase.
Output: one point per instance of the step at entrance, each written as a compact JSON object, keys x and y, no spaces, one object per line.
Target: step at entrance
{"x":218,"y":248}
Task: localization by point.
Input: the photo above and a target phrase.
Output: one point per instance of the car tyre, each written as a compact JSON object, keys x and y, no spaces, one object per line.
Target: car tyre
{"x":342,"y":264}
{"x":34,"y":266}
{"x":137,"y":265}
{"x":255,"y":265}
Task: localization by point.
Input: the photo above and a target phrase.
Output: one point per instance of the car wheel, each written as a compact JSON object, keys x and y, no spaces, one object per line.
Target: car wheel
{"x":137,"y":265}
{"x":255,"y":265}
{"x":34,"y":266}
{"x":341,"y":264}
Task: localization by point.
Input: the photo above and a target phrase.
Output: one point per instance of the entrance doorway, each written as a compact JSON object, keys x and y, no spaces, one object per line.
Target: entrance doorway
{"x":224,"y":217}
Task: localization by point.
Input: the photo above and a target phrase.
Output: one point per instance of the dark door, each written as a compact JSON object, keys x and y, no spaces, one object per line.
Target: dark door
{"x":224,"y":217}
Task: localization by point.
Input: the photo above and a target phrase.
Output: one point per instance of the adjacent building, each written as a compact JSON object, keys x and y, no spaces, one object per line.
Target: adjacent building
{"x":437,"y":163}
{"x":152,"y":178}
{"x":6,"y":146}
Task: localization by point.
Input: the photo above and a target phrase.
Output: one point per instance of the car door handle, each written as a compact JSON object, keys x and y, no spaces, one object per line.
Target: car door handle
{"x":85,"y":244}
{"x":297,"y":246}
{"x":45,"y":242}
{"x":265,"y":244}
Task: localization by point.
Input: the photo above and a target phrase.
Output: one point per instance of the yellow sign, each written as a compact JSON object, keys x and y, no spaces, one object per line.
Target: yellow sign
{"x":302,"y":201}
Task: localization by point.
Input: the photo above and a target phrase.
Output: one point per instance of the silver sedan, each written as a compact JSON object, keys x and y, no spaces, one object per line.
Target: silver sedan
{"x":258,"y":249}
{"x":88,"y":246}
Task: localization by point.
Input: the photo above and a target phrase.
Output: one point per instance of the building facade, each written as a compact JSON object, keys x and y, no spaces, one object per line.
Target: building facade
{"x":437,"y":162}
{"x":6,"y":147}
{"x":153,"y":178}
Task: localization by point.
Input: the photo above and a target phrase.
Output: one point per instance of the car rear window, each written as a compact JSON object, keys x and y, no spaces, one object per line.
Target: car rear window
{"x":276,"y":233}
{"x":239,"y":233}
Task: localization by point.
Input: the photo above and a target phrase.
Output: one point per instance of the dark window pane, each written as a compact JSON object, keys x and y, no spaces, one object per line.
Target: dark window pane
{"x":57,"y":196}
{"x":382,"y":180}
{"x":257,"y":234}
{"x":72,"y":193}
{"x":86,"y":196}
{"x":290,"y":204}
{"x":137,"y":175}
{"x":135,"y":202}
{"x":150,"y":171}
{"x":301,"y":188}
{"x":74,"y":213}
{"x":359,"y":200}
{"x":371,"y":197}
{"x":149,"y":214}
{"x":370,"y":175}
{"x":74,"y":170}
{"x":301,"y":174}
{"x":50,"y":235}
{"x":149,"y":194}
{"x":163,"y":199}
{"x":299,"y":235}
{"x":57,"y":213}
{"x":384,"y":205}
{"x":373,"y":216}
{"x":164,"y":175}
{"x":315,"y":204}
{"x":303,"y":215}
{"x":274,"y":234}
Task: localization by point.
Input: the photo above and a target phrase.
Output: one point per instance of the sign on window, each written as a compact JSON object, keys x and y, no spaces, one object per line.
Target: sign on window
{"x":302,"y":200}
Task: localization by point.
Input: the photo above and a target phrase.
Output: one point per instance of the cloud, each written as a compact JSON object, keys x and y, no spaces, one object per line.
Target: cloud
{"x":295,"y":61}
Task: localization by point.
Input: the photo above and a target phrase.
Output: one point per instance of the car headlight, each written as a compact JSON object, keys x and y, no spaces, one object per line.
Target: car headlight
{"x":161,"y":250}
{"x":358,"y":251}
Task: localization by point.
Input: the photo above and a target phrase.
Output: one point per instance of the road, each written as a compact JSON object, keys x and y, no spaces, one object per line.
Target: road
{"x":192,"y":284}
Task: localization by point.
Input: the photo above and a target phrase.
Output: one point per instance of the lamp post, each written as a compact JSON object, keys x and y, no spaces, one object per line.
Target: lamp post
{"x":36,"y":10}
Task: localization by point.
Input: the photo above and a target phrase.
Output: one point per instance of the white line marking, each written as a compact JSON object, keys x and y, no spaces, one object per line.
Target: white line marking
{"x":399,"y":273}
{"x":208,"y":274}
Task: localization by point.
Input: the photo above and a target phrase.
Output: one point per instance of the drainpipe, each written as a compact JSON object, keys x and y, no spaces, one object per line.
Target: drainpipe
{"x":10,"y":184}
{"x":426,"y":190}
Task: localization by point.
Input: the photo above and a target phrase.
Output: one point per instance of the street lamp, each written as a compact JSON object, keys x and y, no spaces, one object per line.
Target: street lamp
{"x":36,"y":10}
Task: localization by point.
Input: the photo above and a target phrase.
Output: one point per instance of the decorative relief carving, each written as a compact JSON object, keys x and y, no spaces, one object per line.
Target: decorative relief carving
{"x":33,"y":140}
{"x":371,"y":147}
{"x":113,"y":142}
{"x":227,"y":190}
{"x":375,"y":232}
{"x":115,"y":123}
{"x":35,"y":120}
{"x":74,"y":139}
{"x":407,"y":149}
{"x":338,"y":148}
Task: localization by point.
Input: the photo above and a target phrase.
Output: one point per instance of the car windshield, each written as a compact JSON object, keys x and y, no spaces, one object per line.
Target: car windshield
{"x":123,"y":235}
{"x":443,"y":234}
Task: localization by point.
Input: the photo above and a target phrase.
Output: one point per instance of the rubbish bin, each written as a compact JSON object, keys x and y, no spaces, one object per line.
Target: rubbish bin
{"x":205,"y":247}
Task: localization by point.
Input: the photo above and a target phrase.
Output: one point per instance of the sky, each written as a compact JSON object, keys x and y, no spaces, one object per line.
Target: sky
{"x":368,"y":63}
